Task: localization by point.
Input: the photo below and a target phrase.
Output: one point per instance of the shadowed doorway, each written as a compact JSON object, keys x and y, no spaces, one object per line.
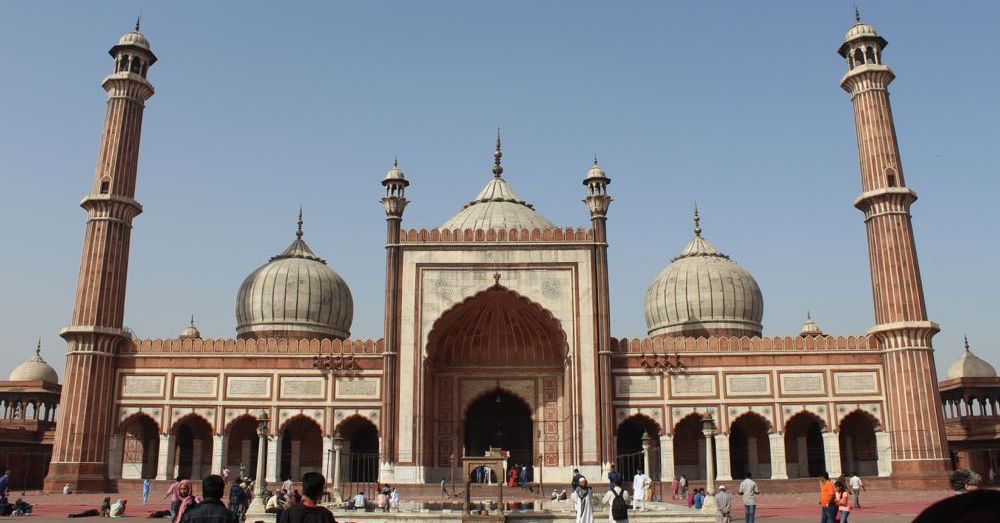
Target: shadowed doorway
{"x":502,"y":420}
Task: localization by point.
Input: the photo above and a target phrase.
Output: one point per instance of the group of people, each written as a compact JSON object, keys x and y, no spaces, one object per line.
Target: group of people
{"x":617,"y":498}
{"x":519,"y":476}
{"x":19,"y":507}
{"x":287,"y":504}
{"x":387,"y":499}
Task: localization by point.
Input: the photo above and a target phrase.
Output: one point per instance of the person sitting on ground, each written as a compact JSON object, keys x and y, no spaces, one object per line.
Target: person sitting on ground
{"x":106,"y":507}
{"x":360,"y":503}
{"x":394,"y":499}
{"x":382,"y":501}
{"x":22,"y":507}
{"x":699,"y":498}
{"x":211,"y":509}
{"x":118,"y":509}
{"x":66,"y":490}
{"x":555,"y":495}
{"x":963,"y":481}
{"x":85,"y":514}
{"x":308,"y":511}
{"x":563,"y":496}
{"x":690,"y":497}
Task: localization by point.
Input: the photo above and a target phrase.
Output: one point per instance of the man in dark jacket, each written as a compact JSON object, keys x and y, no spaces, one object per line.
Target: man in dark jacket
{"x":308,"y":511}
{"x":211,"y":509}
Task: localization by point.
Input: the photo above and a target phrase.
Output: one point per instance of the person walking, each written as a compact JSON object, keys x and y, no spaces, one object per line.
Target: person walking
{"x":827,"y":500}
{"x":639,"y":485}
{"x":683,"y":482}
{"x":613,"y":478}
{"x":856,"y":487}
{"x":175,"y":499}
{"x":309,"y":510}
{"x":583,"y":500}
{"x":237,"y":499}
{"x":617,"y":500}
{"x":145,"y":491}
{"x":211,"y":509}
{"x":843,"y":499}
{"x":674,"y":488}
{"x":724,"y":505}
{"x":749,"y":491}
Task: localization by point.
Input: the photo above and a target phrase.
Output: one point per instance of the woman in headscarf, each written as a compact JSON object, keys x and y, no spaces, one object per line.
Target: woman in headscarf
{"x":186,"y":493}
{"x":118,"y":509}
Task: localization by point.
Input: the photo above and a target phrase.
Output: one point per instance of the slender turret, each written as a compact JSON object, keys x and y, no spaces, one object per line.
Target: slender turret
{"x":95,"y":333}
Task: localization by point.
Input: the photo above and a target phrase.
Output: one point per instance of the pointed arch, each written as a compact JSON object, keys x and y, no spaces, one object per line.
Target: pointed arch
{"x":749,"y":445}
{"x":805,"y":453}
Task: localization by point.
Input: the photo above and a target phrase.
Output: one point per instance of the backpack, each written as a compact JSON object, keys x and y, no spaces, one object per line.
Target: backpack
{"x":619,"y":509}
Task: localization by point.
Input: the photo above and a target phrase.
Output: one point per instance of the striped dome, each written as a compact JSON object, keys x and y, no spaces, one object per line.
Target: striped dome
{"x":295,"y":295}
{"x":703,"y":293}
{"x":497,"y":207}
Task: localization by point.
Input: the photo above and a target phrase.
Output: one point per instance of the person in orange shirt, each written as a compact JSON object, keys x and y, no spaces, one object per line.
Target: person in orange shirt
{"x":827,"y":500}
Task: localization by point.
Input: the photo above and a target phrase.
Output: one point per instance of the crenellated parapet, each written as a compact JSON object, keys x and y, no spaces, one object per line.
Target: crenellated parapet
{"x":546,"y":235}
{"x":668,"y":345}
{"x":305,"y":347}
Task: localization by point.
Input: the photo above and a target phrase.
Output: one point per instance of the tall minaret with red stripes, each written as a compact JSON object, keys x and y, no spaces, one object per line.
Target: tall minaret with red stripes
{"x":95,"y":333}
{"x":912,"y":416}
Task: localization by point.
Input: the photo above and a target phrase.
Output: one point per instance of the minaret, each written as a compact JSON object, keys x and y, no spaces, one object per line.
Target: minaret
{"x":913,"y":413}
{"x":95,"y":333}
{"x":598,"y":201}
{"x":394,"y":202}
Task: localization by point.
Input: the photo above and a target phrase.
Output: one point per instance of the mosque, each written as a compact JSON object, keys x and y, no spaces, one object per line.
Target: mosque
{"x":497,"y":335}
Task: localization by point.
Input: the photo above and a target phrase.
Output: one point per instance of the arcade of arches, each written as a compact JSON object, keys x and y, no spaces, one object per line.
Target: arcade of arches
{"x":496,"y":376}
{"x":805,"y":448}
{"x":192,"y":450}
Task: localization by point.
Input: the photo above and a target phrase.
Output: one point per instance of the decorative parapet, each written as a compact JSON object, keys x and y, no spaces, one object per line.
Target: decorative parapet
{"x":668,"y":345}
{"x":553,"y":235}
{"x":306,"y":347}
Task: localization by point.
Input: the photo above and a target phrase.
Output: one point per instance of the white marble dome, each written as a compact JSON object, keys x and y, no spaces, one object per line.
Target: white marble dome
{"x":134,"y":38}
{"x":295,"y":295}
{"x":859,"y":30}
{"x":703,"y":293}
{"x":35,"y":369}
{"x":969,"y":365}
{"x":497,"y":207}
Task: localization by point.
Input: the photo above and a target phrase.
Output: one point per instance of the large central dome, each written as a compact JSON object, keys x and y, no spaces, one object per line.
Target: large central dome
{"x":295,"y":295}
{"x":497,"y":207}
{"x":703,"y":293}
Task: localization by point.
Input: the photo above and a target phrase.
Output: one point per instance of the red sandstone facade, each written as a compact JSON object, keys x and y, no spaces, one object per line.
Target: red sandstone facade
{"x":514,"y":319}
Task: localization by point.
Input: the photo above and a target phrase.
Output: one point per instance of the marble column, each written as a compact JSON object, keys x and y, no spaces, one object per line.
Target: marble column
{"x":327,"y":457}
{"x":165,"y":461}
{"x":218,"y":450}
{"x":337,"y":446}
{"x":245,"y":454}
{"x":722,"y":458}
{"x":115,"y":455}
{"x":883,"y":445}
{"x":667,"y":472}
{"x":778,"y":466}
{"x":273,"y":449}
{"x":831,"y":451}
{"x":645,"y":458}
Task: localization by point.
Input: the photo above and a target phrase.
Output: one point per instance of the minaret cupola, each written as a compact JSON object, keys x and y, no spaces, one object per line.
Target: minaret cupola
{"x":862,"y":44}
{"x":132,"y":53}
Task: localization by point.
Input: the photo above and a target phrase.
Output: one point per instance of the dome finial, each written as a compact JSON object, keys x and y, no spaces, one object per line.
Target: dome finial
{"x":808,"y":315}
{"x":38,"y":348}
{"x":966,"y":343}
{"x":595,"y":158}
{"x":138,"y":22}
{"x":857,"y":14}
{"x":298,"y":233}
{"x":395,"y":160}
{"x":697,"y":221}
{"x":192,"y":319}
{"x":497,"y":155}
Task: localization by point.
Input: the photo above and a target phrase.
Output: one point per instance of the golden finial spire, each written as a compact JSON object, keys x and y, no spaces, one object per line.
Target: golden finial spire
{"x":697,"y":221}
{"x":298,"y":233}
{"x":497,"y":155}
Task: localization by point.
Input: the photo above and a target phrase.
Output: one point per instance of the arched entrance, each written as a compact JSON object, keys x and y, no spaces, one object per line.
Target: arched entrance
{"x":359,"y":454}
{"x":804,"y":454}
{"x":858,"y":450}
{"x":495,"y":345}
{"x":241,"y":447}
{"x":500,"y":420}
{"x":689,"y":448}
{"x":749,"y":447}
{"x":140,"y":447}
{"x":193,"y":455}
{"x":630,"y":456}
{"x":301,"y":448}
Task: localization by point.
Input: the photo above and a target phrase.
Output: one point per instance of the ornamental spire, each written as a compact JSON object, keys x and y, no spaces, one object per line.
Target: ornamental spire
{"x":857,"y":14}
{"x":497,"y":155}
{"x":138,"y":22}
{"x":966,"y":343}
{"x":298,"y":233}
{"x":697,"y":221}
{"x":38,"y":348}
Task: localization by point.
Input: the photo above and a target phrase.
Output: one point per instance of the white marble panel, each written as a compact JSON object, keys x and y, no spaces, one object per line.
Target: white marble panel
{"x":793,"y":383}
{"x":248,"y":387}
{"x":748,"y":384}
{"x":142,"y":386}
{"x":357,"y":388}
{"x":195,"y":386}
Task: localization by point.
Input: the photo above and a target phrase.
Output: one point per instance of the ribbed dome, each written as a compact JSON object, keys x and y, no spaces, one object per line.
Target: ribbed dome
{"x":858,"y":30}
{"x":969,"y":365}
{"x":295,"y":295}
{"x":35,"y":369}
{"x":497,"y":207}
{"x":703,"y":293}
{"x":134,"y":38}
{"x":190,"y":332}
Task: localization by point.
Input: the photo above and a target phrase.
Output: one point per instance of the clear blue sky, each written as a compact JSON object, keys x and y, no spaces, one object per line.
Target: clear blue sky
{"x":264,"y":106}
